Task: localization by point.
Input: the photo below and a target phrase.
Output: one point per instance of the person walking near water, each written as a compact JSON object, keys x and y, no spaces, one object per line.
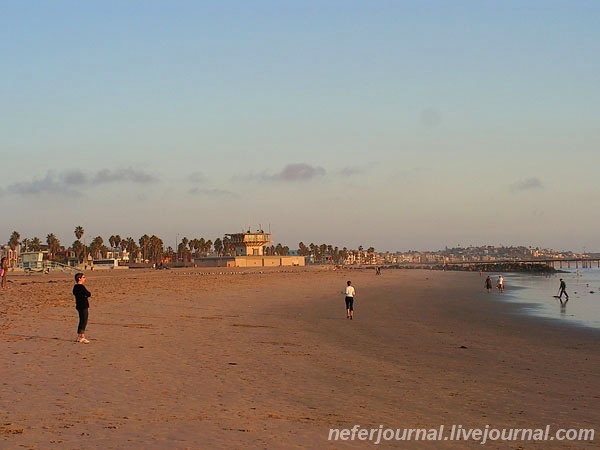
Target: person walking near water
{"x":488,"y":283}
{"x":500,"y":283}
{"x":349,"y":293}
{"x":82,"y":304}
{"x":563,"y":290}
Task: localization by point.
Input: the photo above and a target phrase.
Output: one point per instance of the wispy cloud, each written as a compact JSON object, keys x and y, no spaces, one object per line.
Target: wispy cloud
{"x":212,"y":192}
{"x":74,"y":178}
{"x":295,"y":173}
{"x":66,"y":182}
{"x":50,"y":184}
{"x":526,"y":185}
{"x":130,"y":175}
{"x":351,"y":171}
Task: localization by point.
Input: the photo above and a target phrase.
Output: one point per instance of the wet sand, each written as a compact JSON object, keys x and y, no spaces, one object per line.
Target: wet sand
{"x":211,"y":358}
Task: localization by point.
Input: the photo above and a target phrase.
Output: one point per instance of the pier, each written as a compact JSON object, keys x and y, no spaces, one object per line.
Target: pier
{"x":580,"y":263}
{"x":563,"y":263}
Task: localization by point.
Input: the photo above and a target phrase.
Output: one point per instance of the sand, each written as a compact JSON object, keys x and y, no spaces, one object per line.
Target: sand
{"x":226,"y":358}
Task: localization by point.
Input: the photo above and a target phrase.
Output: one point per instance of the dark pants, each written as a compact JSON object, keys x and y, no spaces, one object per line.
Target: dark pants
{"x":350,"y":303}
{"x":83,"y":319}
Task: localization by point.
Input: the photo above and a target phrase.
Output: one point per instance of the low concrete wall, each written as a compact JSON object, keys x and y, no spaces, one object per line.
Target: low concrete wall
{"x":251,"y":261}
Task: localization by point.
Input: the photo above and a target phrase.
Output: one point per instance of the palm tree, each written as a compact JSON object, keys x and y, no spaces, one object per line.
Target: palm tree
{"x":313,"y":251}
{"x":337,"y":255}
{"x":323,"y":250}
{"x":13,"y":242}
{"x":26,"y":243}
{"x":144,"y":243}
{"x":103,"y":251}
{"x":183,"y":248}
{"x":79,"y":250}
{"x":36,"y":244}
{"x":200,"y":245}
{"x":194,"y":246}
{"x":218,"y":246}
{"x":130,"y":245}
{"x":96,"y":247}
{"x":79,"y":231}
{"x":156,"y":249}
{"x":53,"y":245}
{"x":303,"y":249}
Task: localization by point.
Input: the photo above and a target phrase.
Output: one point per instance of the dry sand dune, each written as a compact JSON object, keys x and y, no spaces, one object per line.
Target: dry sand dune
{"x":196,"y":359}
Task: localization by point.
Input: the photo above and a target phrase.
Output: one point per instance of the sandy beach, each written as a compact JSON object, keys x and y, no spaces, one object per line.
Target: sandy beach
{"x":199,"y":358}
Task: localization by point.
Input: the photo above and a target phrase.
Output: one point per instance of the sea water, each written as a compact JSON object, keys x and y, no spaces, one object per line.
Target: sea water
{"x":537,"y":295}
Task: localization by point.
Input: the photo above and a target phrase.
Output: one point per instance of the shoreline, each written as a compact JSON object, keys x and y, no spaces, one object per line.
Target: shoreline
{"x":181,"y":359}
{"x":537,"y":297}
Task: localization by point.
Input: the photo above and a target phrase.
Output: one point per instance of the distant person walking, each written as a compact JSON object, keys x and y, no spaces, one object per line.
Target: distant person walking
{"x":500,"y":284}
{"x":488,"y":283}
{"x":563,"y":290}
{"x":4,"y":271}
{"x":82,"y":304}
{"x":349,"y":293}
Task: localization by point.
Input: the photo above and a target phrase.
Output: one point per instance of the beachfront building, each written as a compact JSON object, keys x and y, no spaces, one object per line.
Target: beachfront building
{"x":250,"y":252}
{"x":10,"y":254}
{"x":249,"y":244}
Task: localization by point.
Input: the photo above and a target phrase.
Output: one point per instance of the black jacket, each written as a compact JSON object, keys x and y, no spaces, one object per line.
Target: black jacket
{"x":81,"y":296}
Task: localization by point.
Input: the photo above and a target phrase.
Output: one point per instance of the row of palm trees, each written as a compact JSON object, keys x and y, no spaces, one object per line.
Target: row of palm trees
{"x":152,"y":248}
{"x":52,"y":243}
{"x":328,"y":253}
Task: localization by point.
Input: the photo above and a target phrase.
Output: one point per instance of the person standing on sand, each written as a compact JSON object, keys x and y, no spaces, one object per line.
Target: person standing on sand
{"x":563,"y":290}
{"x":4,"y":271}
{"x":82,"y":304}
{"x":500,"y":283}
{"x":488,"y":283}
{"x":349,"y":293}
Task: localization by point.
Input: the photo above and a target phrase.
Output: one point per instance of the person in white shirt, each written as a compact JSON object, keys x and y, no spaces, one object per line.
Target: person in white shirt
{"x":349,"y":293}
{"x":501,"y":283}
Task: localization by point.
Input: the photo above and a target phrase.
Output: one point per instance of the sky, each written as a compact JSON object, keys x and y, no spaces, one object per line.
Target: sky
{"x":398,"y":125}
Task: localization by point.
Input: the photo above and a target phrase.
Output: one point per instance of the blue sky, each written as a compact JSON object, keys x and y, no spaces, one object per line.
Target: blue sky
{"x":393,"y":124}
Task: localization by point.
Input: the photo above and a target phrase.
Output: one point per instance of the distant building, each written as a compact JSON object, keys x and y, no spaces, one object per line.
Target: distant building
{"x":107,"y":263}
{"x":249,"y":244}
{"x":250,"y":252}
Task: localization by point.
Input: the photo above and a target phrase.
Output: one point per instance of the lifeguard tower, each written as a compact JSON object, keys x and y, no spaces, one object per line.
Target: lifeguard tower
{"x":33,"y":261}
{"x":250,"y":244}
{"x":250,"y":252}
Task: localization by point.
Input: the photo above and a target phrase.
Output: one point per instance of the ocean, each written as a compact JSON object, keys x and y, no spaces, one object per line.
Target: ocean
{"x":536,"y":294}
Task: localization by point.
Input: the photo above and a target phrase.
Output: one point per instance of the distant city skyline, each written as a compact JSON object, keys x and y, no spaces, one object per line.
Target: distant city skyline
{"x":397,"y":125}
{"x":294,"y":246}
